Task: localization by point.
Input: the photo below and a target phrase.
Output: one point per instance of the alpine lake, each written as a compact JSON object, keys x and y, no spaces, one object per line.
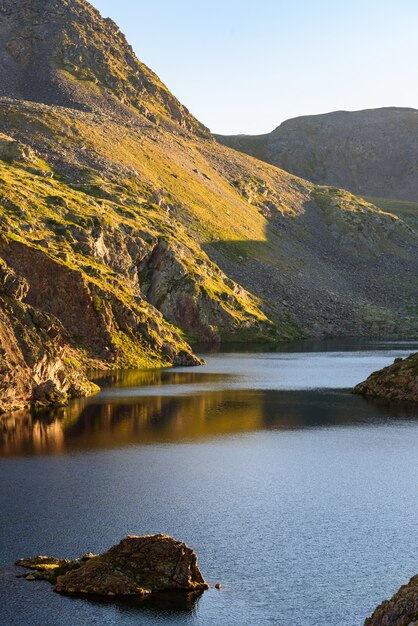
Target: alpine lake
{"x":299,"y":497}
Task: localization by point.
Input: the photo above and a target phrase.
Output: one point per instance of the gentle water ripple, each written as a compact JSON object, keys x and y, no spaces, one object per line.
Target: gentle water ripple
{"x":298,"y":496}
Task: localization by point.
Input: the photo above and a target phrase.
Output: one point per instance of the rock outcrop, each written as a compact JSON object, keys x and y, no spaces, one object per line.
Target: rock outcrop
{"x":105,"y":324}
{"x":137,"y":566}
{"x":398,"y":381}
{"x":205,"y":303}
{"x":400,"y":610}
{"x":37,"y":364}
{"x":370,"y":153}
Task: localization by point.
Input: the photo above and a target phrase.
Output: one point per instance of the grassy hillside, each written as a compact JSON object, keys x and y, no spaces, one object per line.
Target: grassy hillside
{"x":87,"y":179}
{"x":406,"y":211}
{"x":139,"y":235}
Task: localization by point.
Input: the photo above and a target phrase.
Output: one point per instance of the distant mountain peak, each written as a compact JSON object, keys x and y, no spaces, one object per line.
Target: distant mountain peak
{"x":372,"y":152}
{"x":64,"y":52}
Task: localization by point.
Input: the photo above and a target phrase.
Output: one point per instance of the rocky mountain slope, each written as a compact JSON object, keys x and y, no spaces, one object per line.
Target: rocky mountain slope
{"x":370,"y":153}
{"x":399,"y":381}
{"x":138,"y":234}
{"x":62,"y":52}
{"x":37,"y":362}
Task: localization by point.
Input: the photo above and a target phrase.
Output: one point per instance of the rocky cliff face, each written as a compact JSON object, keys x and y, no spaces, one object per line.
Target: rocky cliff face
{"x":399,"y":381}
{"x":370,"y":153}
{"x":37,"y":365}
{"x":140,"y":234}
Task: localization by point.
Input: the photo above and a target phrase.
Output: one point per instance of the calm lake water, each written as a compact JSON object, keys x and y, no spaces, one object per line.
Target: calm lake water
{"x":300,"y":498}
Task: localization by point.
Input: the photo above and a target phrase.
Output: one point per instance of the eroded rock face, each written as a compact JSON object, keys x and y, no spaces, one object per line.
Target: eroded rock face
{"x":399,"y":381}
{"x":179,"y":285}
{"x":37,"y":365}
{"x":400,"y":610}
{"x":107,"y":327}
{"x":135,"y":566}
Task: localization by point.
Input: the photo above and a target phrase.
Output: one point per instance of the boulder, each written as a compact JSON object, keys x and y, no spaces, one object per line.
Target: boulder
{"x":12,"y":150}
{"x":48,"y":394}
{"x":137,"y":566}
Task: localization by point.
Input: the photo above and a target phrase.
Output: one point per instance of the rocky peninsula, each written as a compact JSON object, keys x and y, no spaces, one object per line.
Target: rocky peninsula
{"x":398,"y":381}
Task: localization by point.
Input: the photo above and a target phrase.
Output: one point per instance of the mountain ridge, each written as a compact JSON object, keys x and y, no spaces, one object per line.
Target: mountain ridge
{"x":371,"y":152}
{"x":64,"y":53}
{"x":140,"y":236}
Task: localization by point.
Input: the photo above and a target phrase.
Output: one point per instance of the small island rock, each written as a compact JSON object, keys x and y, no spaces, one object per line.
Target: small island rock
{"x":137,"y":566}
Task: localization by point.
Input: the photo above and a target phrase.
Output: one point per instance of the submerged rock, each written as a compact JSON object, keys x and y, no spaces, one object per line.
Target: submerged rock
{"x":399,"y":381}
{"x":400,"y":610}
{"x":135,"y":566}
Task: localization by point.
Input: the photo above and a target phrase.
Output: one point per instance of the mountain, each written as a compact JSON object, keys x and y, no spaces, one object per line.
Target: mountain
{"x":63,"y":53}
{"x":371,"y":153}
{"x":135,"y":235}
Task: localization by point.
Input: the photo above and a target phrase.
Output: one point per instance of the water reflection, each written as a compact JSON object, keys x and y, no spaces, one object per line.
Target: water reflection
{"x":94,"y":424}
{"x":159,"y":604}
{"x":123,"y":379}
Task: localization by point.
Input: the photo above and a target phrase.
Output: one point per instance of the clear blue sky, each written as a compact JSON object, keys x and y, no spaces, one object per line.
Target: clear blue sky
{"x":244,"y":66}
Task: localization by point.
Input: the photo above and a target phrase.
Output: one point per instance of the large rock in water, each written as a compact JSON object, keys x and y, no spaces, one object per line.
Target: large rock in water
{"x":400,"y":610}
{"x":398,"y":381}
{"x":136,"y":566}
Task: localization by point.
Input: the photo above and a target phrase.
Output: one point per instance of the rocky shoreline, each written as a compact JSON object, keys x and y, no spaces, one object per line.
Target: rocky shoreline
{"x":38,"y":365}
{"x":398,"y":381}
{"x":400,"y":610}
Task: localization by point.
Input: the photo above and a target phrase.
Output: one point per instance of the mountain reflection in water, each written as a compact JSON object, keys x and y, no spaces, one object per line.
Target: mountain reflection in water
{"x":112,"y":420}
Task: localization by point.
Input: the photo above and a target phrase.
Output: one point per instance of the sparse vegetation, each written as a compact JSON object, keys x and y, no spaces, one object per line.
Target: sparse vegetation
{"x":133,"y":227}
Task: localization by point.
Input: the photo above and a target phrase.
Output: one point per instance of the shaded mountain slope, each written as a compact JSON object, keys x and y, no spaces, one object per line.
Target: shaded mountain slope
{"x":371,"y":153}
{"x":140,"y":234}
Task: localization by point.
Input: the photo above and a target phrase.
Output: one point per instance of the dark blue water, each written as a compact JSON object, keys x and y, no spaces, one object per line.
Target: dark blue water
{"x":298,"y":497}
